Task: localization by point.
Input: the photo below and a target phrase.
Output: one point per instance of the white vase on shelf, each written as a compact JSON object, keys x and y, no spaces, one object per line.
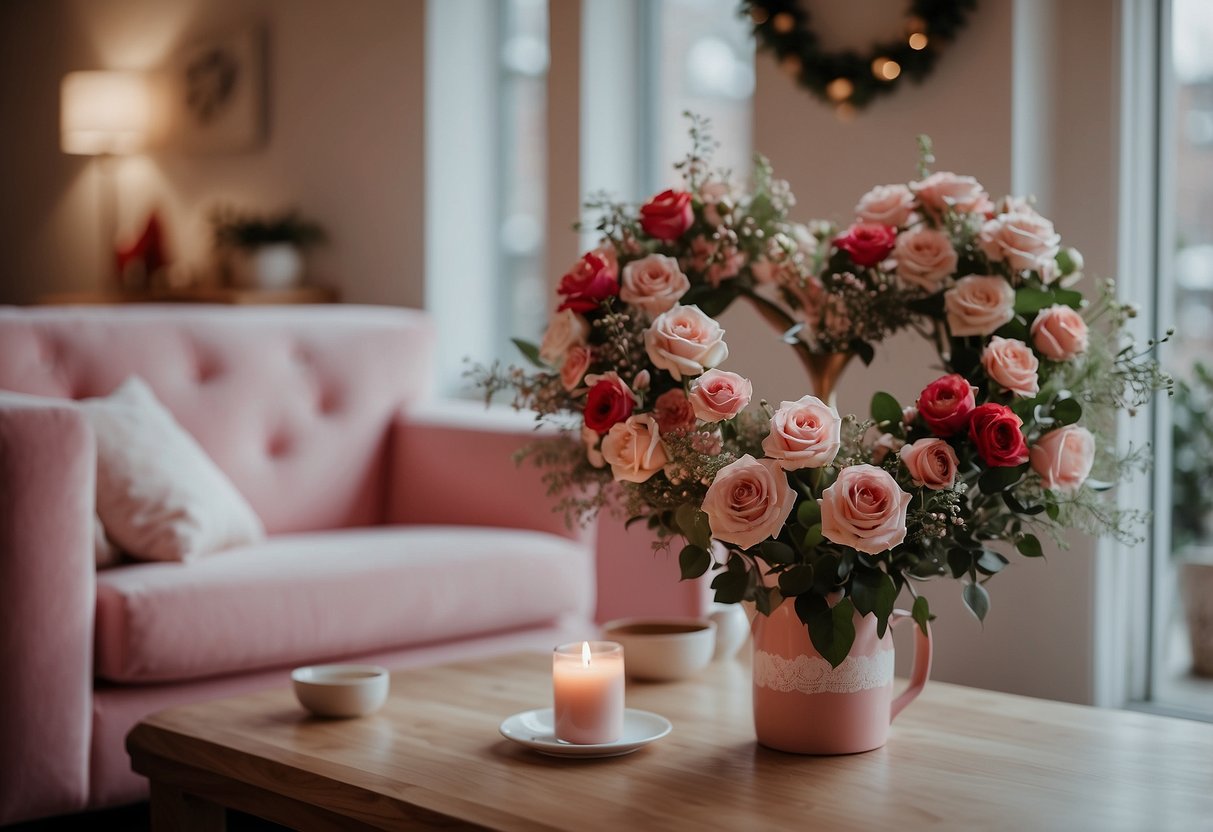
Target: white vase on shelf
{"x":274,"y":266}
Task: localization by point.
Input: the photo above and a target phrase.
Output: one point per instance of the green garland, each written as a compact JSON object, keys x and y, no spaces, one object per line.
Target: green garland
{"x":848,"y":79}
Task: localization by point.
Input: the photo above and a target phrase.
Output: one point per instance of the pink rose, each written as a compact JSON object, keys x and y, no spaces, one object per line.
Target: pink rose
{"x":654,"y":283}
{"x":576,"y":362}
{"x":1023,"y":238}
{"x":667,"y":216}
{"x":1059,"y":333}
{"x":591,"y":440}
{"x":684,"y":341}
{"x":673,"y":412}
{"x":565,"y":330}
{"x":925,"y":258}
{"x":1063,"y":458}
{"x":886,"y":205}
{"x":867,"y":243}
{"x":718,"y":395}
{"x":633,"y":449}
{"x":978,"y":305}
{"x":804,"y":434}
{"x":931,"y":462}
{"x":591,"y":281}
{"x":1011,"y":364}
{"x":942,"y":190}
{"x":864,"y":509}
{"x":885,"y":444}
{"x":748,"y":501}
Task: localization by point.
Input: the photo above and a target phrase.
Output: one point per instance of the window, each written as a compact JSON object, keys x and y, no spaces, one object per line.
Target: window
{"x":1182,"y":644}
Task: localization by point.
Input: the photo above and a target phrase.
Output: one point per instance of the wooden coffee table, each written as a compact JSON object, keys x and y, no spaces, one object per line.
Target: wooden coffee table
{"x":432,"y":757}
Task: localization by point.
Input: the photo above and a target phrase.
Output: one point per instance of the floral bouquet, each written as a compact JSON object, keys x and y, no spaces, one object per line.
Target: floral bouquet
{"x":839,"y":515}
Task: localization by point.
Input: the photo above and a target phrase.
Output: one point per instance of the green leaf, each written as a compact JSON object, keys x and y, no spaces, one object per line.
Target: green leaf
{"x":1029,"y":546}
{"x":693,"y":561}
{"x":712,"y":301}
{"x":694,"y":525}
{"x":796,"y":581}
{"x":886,"y":411}
{"x":921,"y":613}
{"x":874,"y":592}
{"x":976,"y":599}
{"x":960,"y":561}
{"x":1020,"y":508}
{"x":1029,"y":300}
{"x":762,"y":600}
{"x":991,"y":563}
{"x":775,"y":552}
{"x":1053,"y":510}
{"x":808,"y":513}
{"x":1067,"y":411}
{"x":813,"y":536}
{"x":530,"y":352}
{"x":832,"y":630}
{"x":994,"y":480}
{"x":636,"y":519}
{"x":730,"y":585}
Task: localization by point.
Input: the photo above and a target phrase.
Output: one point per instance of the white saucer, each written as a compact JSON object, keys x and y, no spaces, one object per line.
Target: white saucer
{"x":536,"y":730}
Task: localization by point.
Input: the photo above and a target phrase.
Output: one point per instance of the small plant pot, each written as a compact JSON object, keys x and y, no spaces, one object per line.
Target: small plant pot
{"x":1196,"y":589}
{"x":273,"y":266}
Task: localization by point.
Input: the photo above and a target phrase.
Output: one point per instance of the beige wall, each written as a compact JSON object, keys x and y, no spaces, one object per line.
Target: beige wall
{"x":345,"y":138}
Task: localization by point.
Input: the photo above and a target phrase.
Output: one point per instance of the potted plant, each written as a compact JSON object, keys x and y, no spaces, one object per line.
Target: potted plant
{"x":1192,"y":506}
{"x":264,"y":251}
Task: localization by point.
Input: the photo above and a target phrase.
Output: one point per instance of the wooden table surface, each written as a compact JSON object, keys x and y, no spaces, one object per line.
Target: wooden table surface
{"x":958,"y":758}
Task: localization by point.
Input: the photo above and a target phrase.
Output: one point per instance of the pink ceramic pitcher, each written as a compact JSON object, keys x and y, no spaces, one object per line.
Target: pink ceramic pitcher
{"x":804,"y":706}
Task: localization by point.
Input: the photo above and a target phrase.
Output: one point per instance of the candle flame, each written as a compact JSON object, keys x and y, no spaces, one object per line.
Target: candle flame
{"x":585,"y":654}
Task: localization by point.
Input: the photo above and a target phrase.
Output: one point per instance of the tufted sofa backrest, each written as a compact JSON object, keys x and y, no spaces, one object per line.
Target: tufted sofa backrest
{"x":294,"y":403}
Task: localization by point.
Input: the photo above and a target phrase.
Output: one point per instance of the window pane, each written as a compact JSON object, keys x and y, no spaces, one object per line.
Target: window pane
{"x":1184,"y":643}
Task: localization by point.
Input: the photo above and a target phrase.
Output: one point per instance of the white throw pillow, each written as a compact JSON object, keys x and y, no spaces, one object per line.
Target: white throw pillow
{"x":159,"y":496}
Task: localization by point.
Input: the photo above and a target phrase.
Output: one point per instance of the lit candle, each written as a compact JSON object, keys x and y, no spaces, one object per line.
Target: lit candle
{"x":587,"y":684}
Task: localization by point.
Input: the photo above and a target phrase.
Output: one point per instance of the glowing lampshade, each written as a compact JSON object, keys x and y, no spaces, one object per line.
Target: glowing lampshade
{"x":105,"y":112}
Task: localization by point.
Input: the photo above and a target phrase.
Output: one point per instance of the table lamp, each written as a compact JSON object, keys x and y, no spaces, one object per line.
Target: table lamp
{"x":106,"y":114}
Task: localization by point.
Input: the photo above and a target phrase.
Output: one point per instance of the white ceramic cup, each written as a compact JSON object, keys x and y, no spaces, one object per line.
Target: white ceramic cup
{"x":663,"y":649}
{"x":341,"y":690}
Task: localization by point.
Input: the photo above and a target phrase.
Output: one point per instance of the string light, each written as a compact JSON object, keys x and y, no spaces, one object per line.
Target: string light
{"x":791,"y":65}
{"x":886,"y":69}
{"x":840,"y":89}
{"x":918,"y":41}
{"x":783,"y":23}
{"x":759,"y":15}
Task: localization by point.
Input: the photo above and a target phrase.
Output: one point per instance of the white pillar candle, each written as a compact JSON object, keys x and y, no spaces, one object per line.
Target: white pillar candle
{"x":587,"y":684}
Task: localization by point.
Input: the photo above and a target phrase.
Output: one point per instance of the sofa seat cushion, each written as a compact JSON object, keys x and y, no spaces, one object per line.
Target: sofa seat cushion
{"x":323,"y":595}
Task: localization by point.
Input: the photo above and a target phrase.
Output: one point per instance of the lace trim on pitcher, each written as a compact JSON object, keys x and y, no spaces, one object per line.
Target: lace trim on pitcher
{"x":813,"y":674}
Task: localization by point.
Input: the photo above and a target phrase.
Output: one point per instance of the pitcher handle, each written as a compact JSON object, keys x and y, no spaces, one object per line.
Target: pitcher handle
{"x":922,"y":662}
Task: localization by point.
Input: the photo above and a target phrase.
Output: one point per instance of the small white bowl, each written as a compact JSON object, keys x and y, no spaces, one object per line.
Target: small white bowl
{"x":341,"y":690}
{"x":663,"y":649}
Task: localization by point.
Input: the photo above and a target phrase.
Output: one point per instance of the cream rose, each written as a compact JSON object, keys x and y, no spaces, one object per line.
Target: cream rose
{"x":633,"y":448}
{"x":864,"y":509}
{"x":925,"y":258}
{"x":684,"y":341}
{"x":978,"y":305}
{"x":1022,"y":238}
{"x":566,"y":329}
{"x":943,"y":190}
{"x":931,"y":462}
{"x":718,"y":395}
{"x":1059,"y":333}
{"x":576,"y":362}
{"x":653,"y":283}
{"x":1011,"y":364}
{"x":804,"y":434}
{"x":886,"y":204}
{"x":748,"y":501}
{"x":1063,"y":458}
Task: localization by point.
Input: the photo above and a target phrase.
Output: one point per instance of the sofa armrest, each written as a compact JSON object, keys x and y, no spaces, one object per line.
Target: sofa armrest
{"x":47,"y":593}
{"x":452,"y":463}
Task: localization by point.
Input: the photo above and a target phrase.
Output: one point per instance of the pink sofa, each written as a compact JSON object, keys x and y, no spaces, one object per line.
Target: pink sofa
{"x":400,"y":532}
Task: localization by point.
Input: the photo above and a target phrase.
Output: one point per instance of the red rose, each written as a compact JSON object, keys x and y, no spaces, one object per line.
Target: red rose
{"x":946,"y":403}
{"x":995,"y":430}
{"x":867,"y":242}
{"x":588,"y":283}
{"x":667,"y":216}
{"x":609,"y":401}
